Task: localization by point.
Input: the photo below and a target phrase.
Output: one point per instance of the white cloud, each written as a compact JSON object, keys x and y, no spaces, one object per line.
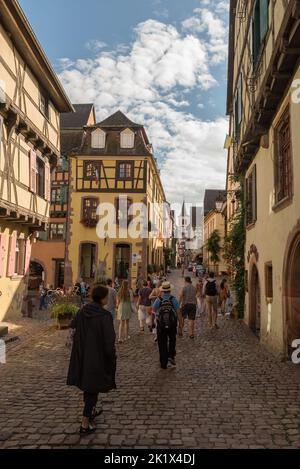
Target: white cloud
{"x":95,"y":45}
{"x":148,"y":82}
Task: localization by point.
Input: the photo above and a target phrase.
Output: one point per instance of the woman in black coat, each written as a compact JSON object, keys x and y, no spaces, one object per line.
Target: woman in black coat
{"x":93,"y":359}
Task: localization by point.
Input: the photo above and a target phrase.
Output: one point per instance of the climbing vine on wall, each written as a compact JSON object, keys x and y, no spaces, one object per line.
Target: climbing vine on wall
{"x":235,"y":248}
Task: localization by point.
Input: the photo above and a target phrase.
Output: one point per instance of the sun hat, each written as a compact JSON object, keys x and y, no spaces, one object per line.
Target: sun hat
{"x":166,"y":287}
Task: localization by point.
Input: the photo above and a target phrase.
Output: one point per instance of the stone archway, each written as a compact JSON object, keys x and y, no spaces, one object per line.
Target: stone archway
{"x":291,"y":294}
{"x":254,"y":301}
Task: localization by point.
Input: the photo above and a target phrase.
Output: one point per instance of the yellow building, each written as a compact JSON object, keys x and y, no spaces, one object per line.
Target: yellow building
{"x":31,"y":99}
{"x":114,"y":166}
{"x":214,"y":220}
{"x":264,"y":109}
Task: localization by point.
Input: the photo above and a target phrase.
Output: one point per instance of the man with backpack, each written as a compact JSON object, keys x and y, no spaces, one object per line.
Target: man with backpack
{"x":166,"y":309}
{"x":211,"y":294}
{"x":188,"y":301}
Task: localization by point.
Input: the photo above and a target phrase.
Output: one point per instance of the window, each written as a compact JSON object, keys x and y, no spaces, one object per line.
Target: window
{"x":127,"y":139}
{"x":89,"y":211}
{"x":44,"y":105}
{"x":238,"y":107}
{"x":269,"y":279}
{"x":19,"y":257}
{"x":125,"y":170}
{"x":98,"y":139}
{"x":260,"y":26}
{"x":59,"y":195}
{"x":123,"y":204}
{"x":91,"y":170}
{"x":251,"y":197}
{"x":57,"y":231}
{"x":63,"y":164}
{"x":283,"y":159}
{"x":40,"y":178}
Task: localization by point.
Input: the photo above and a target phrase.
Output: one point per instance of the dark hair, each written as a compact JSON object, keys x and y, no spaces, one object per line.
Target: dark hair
{"x":222,"y":284}
{"x":188,"y":279}
{"x":99,"y":293}
{"x":109,"y":282}
{"x":145,"y":284}
{"x":211,"y":275}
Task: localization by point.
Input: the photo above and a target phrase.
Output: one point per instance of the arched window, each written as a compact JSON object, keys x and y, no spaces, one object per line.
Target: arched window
{"x":127,"y":139}
{"x":98,"y":139}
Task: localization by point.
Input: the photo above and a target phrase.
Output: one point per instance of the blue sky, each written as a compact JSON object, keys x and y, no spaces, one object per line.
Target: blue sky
{"x":163,"y":62}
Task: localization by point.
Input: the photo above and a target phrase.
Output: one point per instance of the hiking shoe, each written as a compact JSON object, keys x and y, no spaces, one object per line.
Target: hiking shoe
{"x":172,"y":362}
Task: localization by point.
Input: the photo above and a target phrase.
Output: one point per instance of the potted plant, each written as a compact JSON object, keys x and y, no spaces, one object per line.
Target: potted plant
{"x":63,"y":314}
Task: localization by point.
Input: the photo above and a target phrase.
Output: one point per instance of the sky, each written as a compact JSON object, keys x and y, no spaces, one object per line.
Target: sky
{"x":162,"y":62}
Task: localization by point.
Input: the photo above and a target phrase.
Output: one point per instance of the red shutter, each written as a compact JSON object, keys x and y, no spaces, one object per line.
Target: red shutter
{"x":12,"y":255}
{"x":47,"y":182}
{"x":28,"y":246}
{"x":33,"y":171}
{"x":2,"y":254}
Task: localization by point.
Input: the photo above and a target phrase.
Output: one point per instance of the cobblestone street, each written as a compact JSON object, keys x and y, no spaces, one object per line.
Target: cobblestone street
{"x":227,"y":392}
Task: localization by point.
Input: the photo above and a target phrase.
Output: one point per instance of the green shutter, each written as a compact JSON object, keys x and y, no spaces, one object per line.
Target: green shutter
{"x":43,"y":236}
{"x":64,"y":164}
{"x":254,"y":194}
{"x":256,"y":31}
{"x":64,"y":195}
{"x":264,"y":18}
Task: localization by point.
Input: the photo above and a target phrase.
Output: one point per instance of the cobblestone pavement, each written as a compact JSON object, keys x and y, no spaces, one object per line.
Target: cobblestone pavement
{"x":227,"y":392}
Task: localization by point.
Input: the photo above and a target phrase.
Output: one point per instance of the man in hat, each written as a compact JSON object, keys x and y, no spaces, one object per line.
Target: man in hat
{"x":166,"y":309}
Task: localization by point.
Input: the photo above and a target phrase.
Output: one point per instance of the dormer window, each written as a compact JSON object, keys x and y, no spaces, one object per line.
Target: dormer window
{"x":127,"y":139}
{"x":98,"y":138}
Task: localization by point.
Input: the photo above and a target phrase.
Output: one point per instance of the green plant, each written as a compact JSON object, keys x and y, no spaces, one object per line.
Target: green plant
{"x":150,"y":269}
{"x":64,"y":310}
{"x":214,"y":247}
{"x":235,"y":249}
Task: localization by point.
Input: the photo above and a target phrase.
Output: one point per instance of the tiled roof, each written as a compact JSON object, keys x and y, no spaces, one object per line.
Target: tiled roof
{"x":113,"y":147}
{"x":77,"y":119}
{"x":210,"y":198}
{"x":118,"y":119}
{"x":71,"y":141}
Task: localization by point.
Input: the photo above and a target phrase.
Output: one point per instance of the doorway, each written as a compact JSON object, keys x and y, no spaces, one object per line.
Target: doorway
{"x":293,"y":294}
{"x":87,"y":261}
{"x":59,"y":273}
{"x":122,"y":261}
{"x":255,"y":302}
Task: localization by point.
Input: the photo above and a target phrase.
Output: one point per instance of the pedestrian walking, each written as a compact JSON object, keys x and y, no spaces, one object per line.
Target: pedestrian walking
{"x":166,"y":309}
{"x":43,"y":297}
{"x":188,"y":300}
{"x":200,"y":296}
{"x":156,"y":293}
{"x":92,"y":366}
{"x":182,"y":270}
{"x":112,"y":299}
{"x":211,"y":294}
{"x":224,"y":296}
{"x":124,"y":305}
{"x":144,"y":307}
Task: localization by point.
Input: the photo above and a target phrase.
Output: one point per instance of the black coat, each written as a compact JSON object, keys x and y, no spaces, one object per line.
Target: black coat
{"x":93,"y":358}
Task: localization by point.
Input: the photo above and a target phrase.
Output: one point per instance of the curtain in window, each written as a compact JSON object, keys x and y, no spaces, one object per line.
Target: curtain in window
{"x":33,"y":171}
{"x":3,"y":240}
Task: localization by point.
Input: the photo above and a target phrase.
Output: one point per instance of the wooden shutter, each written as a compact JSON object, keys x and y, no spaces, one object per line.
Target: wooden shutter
{"x":64,"y":195}
{"x":47,"y":182}
{"x":3,"y":239}
{"x":1,"y":133}
{"x":12,"y":255}
{"x":28,"y":246}
{"x":264,"y":18}
{"x":254,"y":194}
{"x":33,"y":171}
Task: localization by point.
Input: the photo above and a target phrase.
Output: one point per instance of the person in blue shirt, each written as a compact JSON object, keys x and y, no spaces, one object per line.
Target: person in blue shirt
{"x":166,"y":309}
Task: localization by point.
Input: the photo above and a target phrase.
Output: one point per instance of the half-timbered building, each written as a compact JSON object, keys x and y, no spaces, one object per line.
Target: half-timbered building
{"x":264,"y":110}
{"x":48,"y":253}
{"x":115,"y":161}
{"x":31,"y":99}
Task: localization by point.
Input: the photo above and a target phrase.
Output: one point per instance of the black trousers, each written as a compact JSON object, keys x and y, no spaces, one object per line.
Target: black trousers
{"x":166,"y":339}
{"x":90,"y":401}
